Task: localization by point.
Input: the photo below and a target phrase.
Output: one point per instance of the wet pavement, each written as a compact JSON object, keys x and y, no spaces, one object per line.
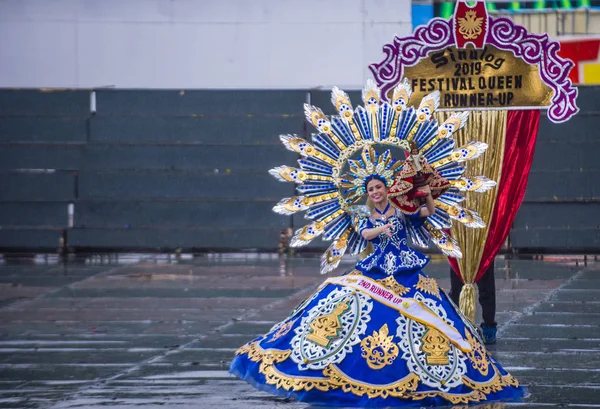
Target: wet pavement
{"x":159,"y":331}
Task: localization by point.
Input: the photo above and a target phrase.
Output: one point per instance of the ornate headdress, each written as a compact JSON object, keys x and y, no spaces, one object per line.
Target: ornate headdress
{"x":327,"y":192}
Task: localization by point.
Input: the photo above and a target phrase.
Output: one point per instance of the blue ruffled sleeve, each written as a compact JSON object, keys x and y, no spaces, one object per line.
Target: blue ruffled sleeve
{"x":364,"y":223}
{"x":416,"y":220}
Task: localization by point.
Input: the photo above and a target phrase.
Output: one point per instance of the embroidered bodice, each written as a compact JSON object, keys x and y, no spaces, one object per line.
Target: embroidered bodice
{"x":391,"y":255}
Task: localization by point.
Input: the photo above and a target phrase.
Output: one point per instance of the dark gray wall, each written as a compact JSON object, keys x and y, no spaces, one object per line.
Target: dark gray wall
{"x":174,"y":169}
{"x":561,"y":208}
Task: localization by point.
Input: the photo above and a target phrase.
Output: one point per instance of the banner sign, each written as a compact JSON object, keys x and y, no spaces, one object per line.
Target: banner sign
{"x":476,"y":61}
{"x":471,"y":78}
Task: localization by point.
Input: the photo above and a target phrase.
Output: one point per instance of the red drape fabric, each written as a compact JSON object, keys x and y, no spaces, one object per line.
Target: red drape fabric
{"x":519,"y":146}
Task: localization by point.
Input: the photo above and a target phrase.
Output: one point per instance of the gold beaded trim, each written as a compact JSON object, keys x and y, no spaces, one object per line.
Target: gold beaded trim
{"x":335,"y":378}
{"x":296,"y":383}
{"x":497,"y":383}
{"x":398,"y":389}
{"x":475,"y":396}
{"x":391,"y":284}
{"x":428,"y":285}
{"x":264,"y":356}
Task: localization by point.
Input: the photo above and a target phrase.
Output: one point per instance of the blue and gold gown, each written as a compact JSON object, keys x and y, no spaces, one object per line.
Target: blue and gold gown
{"x":381,"y":335}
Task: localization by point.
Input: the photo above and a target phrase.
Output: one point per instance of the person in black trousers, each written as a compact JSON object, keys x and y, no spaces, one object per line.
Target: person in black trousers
{"x":487,"y":299}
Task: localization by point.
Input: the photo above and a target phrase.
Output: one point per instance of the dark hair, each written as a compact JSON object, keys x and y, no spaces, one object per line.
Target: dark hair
{"x":375,"y":177}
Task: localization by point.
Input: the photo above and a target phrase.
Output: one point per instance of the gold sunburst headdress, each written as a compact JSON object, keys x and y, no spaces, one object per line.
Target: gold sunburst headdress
{"x":330,"y":182}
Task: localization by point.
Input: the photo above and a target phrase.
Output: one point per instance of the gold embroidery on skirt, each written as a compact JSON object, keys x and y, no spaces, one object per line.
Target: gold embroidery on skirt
{"x":378,"y":349}
{"x":474,"y":396}
{"x":327,"y":327}
{"x":477,"y":356}
{"x":335,"y":378}
{"x":282,"y":330}
{"x":397,"y":389}
{"x":436,"y":347}
{"x":296,"y":383}
{"x":391,"y":284}
{"x":428,"y":285}
{"x":495,"y":384}
{"x":257,"y":354}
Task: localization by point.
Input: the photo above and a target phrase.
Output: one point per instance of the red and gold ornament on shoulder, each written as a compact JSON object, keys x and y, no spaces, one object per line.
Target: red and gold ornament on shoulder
{"x":415,"y":180}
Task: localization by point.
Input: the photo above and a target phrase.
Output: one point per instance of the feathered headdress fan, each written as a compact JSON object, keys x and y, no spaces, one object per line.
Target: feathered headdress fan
{"x":330,"y":182}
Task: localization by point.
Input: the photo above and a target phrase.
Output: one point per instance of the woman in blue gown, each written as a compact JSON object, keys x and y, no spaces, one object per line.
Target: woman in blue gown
{"x":381,"y":335}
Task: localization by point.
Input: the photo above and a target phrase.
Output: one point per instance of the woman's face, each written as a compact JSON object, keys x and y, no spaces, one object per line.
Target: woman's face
{"x":377,"y":191}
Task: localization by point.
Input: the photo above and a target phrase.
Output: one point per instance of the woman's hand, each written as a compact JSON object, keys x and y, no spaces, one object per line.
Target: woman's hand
{"x":429,"y":207}
{"x":386,"y":229}
{"x":370,"y":234}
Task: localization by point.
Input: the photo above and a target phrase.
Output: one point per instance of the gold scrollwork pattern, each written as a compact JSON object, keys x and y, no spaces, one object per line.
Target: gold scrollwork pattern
{"x":378,"y":349}
{"x":397,"y":389}
{"x":436,"y":347}
{"x":477,"y":355}
{"x":282,"y":330}
{"x":250,"y":350}
{"x":510,"y":380}
{"x":267,"y":359}
{"x":325,"y":328}
{"x":264,"y":356}
{"x":391,"y":284}
{"x":474,"y":396}
{"x":428,"y":285}
{"x":495,"y":384}
{"x":296,"y":383}
{"x":334,"y":378}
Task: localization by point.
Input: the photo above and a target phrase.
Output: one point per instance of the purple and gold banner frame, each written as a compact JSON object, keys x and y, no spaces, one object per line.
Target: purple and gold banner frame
{"x":500,"y":32}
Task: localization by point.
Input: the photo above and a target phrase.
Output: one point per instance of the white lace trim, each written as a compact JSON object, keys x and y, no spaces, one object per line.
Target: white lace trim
{"x":442,"y":377}
{"x":310,"y":355}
